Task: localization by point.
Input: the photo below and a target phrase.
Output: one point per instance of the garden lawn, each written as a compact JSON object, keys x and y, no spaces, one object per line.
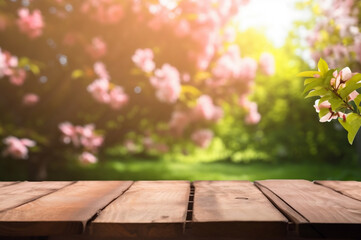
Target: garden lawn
{"x":160,"y":169}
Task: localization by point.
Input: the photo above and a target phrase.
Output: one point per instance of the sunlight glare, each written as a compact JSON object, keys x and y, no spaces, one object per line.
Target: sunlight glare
{"x":274,"y":17}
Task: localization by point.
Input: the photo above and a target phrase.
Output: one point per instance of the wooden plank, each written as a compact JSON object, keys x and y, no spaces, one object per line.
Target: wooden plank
{"x":3,"y":184}
{"x":149,"y":209}
{"x":20,"y":193}
{"x":329,"y":213}
{"x":63,"y":212}
{"x":349,"y":188}
{"x":234,"y":209}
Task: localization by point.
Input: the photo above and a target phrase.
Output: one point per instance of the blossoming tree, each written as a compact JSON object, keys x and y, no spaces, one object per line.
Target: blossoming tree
{"x":145,"y":74}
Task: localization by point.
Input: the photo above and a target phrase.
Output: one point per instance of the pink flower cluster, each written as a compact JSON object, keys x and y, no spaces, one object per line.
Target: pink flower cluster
{"x":166,"y":81}
{"x":143,"y":58}
{"x":30,"y":24}
{"x":231,"y":66}
{"x":97,"y":48}
{"x":150,"y":144}
{"x":267,"y":64}
{"x":102,"y":91}
{"x":253,"y":116}
{"x":337,"y":82}
{"x":202,"y":137}
{"x":30,"y":99}
{"x":9,"y":67}
{"x":339,"y":20}
{"x":17,"y":148}
{"x":82,"y":136}
{"x":103,"y":11}
{"x":339,"y":79}
{"x":331,"y":114}
{"x":204,"y":110}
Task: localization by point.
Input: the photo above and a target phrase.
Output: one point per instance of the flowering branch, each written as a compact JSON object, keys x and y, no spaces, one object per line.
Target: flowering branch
{"x":338,"y":94}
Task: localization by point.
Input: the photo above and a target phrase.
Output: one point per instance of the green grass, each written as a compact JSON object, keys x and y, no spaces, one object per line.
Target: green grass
{"x":161,"y":169}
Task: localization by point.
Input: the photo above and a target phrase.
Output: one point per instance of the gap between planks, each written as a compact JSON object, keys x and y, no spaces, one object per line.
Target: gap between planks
{"x":88,"y":223}
{"x":30,"y":199}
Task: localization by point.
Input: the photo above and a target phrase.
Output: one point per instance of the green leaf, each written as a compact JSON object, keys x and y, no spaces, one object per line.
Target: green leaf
{"x":322,"y":66}
{"x":313,"y":85}
{"x":308,"y":74}
{"x":357,"y":100}
{"x":309,"y":80}
{"x":77,"y":73}
{"x":336,"y":103}
{"x":323,"y":112}
{"x":344,"y":92}
{"x":352,"y":125}
{"x":318,"y":92}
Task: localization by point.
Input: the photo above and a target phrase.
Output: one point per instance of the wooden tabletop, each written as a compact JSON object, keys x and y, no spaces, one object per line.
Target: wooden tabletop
{"x":268,"y":209}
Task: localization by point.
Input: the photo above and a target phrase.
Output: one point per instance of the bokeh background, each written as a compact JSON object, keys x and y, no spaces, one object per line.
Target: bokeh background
{"x":171,"y":89}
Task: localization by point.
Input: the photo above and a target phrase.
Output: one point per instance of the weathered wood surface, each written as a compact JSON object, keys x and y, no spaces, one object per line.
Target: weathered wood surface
{"x":234,"y":209}
{"x":65,"y":211}
{"x":328,"y":213}
{"x":349,"y":188}
{"x":2,"y":184}
{"x":13,"y":195}
{"x":153,"y":209}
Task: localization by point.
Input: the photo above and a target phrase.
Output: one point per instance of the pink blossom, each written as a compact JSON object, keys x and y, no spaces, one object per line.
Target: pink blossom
{"x":99,"y":90}
{"x":167,"y":83}
{"x":228,"y":65}
{"x":97,"y":48}
{"x":100,"y":70}
{"x":202,"y":137}
{"x":118,"y":98}
{"x":17,"y":148}
{"x":179,"y":121}
{"x":91,"y":143}
{"x":339,"y":79}
{"x":69,"y":133}
{"x":130,"y":146}
{"x":353,"y":95}
{"x":103,"y":11}
{"x":30,"y":99}
{"x":324,"y":104}
{"x":248,"y":69}
{"x":87,"y":158}
{"x":205,"y":109}
{"x":267,"y":63}
{"x":18,"y":77}
{"x":253,"y":117}
{"x":7,"y":63}
{"x":112,"y":14}
{"x":30,"y":24}
{"x":186,"y":77}
{"x":81,"y":136}
{"x":143,"y":58}
{"x":182,"y":28}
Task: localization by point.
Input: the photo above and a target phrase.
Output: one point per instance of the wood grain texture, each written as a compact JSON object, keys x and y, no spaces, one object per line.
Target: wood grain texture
{"x":349,"y":188}
{"x":3,"y":184}
{"x":234,"y":209}
{"x":65,"y":211}
{"x":329,"y":213}
{"x":149,"y":209}
{"x":17,"y":194}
